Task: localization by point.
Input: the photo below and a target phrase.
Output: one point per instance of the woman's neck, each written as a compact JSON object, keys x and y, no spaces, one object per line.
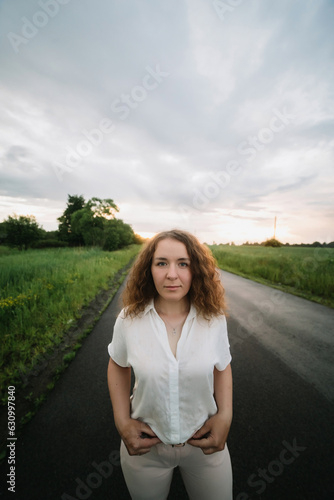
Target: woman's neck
{"x":171,"y":308}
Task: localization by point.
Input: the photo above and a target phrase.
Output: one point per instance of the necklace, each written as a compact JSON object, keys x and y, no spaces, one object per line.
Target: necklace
{"x":171,"y":326}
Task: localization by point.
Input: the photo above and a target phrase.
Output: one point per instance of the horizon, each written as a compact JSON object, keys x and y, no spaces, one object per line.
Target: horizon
{"x":148,"y":235}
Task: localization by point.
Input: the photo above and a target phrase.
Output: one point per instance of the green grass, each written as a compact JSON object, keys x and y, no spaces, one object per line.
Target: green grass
{"x":8,"y":251}
{"x":42,"y":294}
{"x":307,"y":272}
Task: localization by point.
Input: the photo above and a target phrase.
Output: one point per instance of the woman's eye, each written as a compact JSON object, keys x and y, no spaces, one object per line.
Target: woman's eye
{"x":183,"y":264}
{"x":160,"y":264}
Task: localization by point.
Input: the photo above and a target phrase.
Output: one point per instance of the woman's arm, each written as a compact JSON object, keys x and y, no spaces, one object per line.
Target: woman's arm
{"x":223,"y":392}
{"x":119,"y":383}
{"x":130,"y":430}
{"x":212,"y":436}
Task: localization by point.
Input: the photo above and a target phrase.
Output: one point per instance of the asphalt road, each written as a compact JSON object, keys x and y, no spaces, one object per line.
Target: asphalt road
{"x":281,"y":439}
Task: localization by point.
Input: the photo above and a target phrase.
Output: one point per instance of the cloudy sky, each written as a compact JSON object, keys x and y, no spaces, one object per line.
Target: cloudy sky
{"x":205,"y":115}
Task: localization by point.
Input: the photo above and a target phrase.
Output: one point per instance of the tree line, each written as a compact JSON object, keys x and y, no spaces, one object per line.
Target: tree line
{"x":83,"y":223}
{"x":273,"y":242}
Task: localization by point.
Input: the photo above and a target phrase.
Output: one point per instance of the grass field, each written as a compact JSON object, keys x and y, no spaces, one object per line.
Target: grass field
{"x":42,"y":293}
{"x":307,"y":272}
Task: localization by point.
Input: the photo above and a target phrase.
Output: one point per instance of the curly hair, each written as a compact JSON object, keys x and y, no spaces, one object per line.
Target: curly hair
{"x":206,"y":292}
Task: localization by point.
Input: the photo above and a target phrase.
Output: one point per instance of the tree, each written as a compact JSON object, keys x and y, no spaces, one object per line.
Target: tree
{"x":112,"y":238}
{"x":118,"y":234}
{"x":272,"y":243}
{"x":2,"y":233}
{"x":93,"y":223}
{"x":22,"y":231}
{"x":82,"y":222}
{"x":103,"y":208}
{"x":74,"y":203}
{"x":85,"y":226}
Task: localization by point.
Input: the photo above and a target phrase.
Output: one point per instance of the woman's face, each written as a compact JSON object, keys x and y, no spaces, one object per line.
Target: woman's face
{"x":171,"y":270}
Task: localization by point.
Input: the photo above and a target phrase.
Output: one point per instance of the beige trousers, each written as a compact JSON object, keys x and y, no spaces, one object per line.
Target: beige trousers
{"x":149,"y":476}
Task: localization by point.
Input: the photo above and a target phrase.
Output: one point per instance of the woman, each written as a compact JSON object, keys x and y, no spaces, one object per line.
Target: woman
{"x":172,"y":332}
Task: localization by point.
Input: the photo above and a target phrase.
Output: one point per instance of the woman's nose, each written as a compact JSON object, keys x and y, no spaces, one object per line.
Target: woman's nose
{"x":172,"y":274}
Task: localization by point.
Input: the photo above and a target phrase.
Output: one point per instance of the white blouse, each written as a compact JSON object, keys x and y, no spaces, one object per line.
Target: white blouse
{"x":173,"y":395}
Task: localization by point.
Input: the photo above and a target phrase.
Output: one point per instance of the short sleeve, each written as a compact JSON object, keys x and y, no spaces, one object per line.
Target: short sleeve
{"x":223,"y":355}
{"x":117,"y":348}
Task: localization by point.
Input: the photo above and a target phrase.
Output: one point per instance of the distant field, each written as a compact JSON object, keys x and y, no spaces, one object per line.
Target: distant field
{"x":307,"y":272}
{"x":42,"y":292}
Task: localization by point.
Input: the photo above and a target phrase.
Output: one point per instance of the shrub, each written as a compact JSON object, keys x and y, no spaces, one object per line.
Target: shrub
{"x":50,"y":244}
{"x":272,"y":243}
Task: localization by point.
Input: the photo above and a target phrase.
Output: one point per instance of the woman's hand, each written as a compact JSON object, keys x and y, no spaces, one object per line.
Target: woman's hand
{"x":212,"y":436}
{"x":138,"y":437}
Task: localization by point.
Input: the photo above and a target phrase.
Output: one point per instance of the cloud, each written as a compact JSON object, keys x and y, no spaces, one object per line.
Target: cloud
{"x":226,"y":78}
